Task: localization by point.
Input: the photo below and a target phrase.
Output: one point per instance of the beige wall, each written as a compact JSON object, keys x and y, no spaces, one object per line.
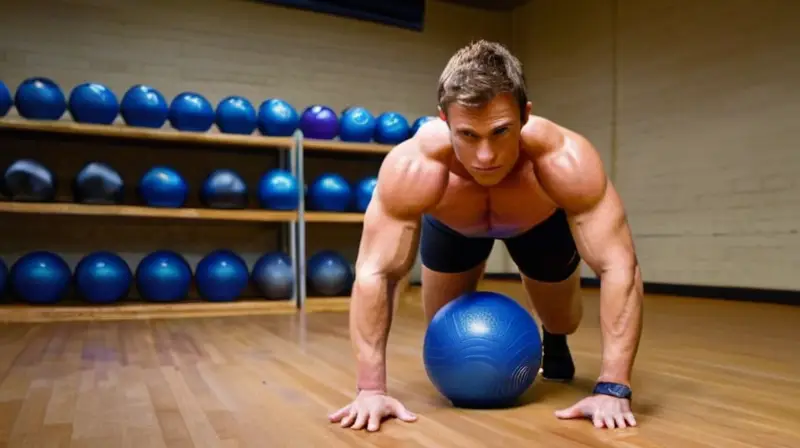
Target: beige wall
{"x":705,"y":155}
{"x":219,"y":48}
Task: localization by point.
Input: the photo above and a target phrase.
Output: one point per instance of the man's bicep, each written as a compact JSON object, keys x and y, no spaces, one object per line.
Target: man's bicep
{"x":388,"y":242}
{"x":602,"y":233}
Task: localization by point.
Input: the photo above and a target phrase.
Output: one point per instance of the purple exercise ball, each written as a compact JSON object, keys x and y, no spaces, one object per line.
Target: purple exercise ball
{"x":319,"y":122}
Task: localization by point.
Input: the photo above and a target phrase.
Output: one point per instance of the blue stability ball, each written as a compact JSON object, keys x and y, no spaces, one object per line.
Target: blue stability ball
{"x":40,"y":99}
{"x":236,"y":115}
{"x":5,"y":99}
{"x":482,"y":350}
{"x":98,"y":183}
{"x":103,"y":277}
{"x":190,"y":111}
{"x":224,"y":188}
{"x":319,"y":122}
{"x":419,"y":122}
{"x":364,"y":190}
{"x":162,"y":186}
{"x":163,"y":276}
{"x":144,"y":106}
{"x":273,"y":275}
{"x":27,"y":180}
{"x":277,"y":190}
{"x":330,"y":192}
{"x":277,"y":118}
{"x":221,"y":276}
{"x":329,"y":274}
{"x":93,"y":103}
{"x":391,"y":128}
{"x":357,"y":125}
{"x":41,"y":277}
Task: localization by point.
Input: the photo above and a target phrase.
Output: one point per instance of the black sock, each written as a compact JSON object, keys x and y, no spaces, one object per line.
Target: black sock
{"x":556,"y":361}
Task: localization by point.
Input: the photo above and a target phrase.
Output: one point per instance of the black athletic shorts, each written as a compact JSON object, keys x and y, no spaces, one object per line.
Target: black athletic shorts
{"x":546,"y":252}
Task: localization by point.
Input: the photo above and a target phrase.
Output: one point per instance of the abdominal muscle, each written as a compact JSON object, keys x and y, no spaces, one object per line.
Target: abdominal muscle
{"x":509,"y":208}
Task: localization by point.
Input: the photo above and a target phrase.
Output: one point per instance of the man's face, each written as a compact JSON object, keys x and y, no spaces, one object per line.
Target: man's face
{"x":486,"y":139}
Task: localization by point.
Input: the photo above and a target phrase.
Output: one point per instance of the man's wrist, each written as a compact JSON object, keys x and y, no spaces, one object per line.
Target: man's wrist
{"x":612,"y":389}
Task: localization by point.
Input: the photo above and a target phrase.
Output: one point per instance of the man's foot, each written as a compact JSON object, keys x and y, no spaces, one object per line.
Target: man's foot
{"x":557,"y":362}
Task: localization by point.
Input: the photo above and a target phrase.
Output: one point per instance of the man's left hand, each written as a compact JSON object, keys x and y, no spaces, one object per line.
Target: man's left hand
{"x":604,"y":410}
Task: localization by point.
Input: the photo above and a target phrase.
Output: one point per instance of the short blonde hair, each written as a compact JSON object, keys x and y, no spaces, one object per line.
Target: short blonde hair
{"x":480,"y":71}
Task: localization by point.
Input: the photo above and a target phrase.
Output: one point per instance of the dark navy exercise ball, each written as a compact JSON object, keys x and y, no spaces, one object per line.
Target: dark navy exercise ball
{"x":482,"y":350}
{"x":5,"y":99}
{"x":277,"y":190}
{"x":391,"y":128}
{"x":144,"y":106}
{"x":277,"y":118}
{"x":163,"y":276}
{"x":41,"y":277}
{"x":40,"y":99}
{"x":419,"y":122}
{"x":27,"y":180}
{"x":319,"y":122}
{"x":364,"y":190}
{"x":98,"y":183}
{"x":93,"y":103}
{"x":221,"y":276}
{"x":236,"y":115}
{"x":357,"y":125}
{"x":224,"y":188}
{"x":273,"y":275}
{"x":330,"y":192}
{"x":162,"y":186}
{"x":190,"y":111}
{"x":3,"y":277}
{"x":103,"y":277}
{"x":329,"y":274}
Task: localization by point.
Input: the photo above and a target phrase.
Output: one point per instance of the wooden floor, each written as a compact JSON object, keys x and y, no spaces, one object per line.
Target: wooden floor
{"x":710,"y":373}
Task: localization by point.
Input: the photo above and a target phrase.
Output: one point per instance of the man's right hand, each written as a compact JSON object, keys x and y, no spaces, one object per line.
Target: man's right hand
{"x":369,"y":409}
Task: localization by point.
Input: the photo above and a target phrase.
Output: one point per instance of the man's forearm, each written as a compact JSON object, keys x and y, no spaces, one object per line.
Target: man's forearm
{"x":621,"y":295}
{"x":370,"y":320}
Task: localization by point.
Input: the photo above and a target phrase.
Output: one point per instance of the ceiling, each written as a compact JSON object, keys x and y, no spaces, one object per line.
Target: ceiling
{"x":489,"y":4}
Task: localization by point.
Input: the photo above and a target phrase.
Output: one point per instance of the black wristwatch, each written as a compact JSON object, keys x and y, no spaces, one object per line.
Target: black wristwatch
{"x":613,"y":389}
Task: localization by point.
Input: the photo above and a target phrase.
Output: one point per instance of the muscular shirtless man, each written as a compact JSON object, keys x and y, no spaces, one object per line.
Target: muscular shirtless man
{"x":488,"y":170}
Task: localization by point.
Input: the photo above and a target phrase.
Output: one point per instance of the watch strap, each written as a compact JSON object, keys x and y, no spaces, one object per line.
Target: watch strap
{"x":613,"y":389}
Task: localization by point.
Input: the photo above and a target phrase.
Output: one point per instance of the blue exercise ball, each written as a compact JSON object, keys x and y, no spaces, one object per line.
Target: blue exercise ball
{"x":364,"y":190}
{"x":98,"y":183}
{"x":191,"y":112}
{"x":41,"y":277}
{"x":40,"y":99}
{"x":27,"y":180}
{"x":236,"y":115}
{"x":482,"y":350}
{"x":163,"y":276}
{"x":419,"y":122}
{"x":319,"y":122}
{"x":329,"y":274}
{"x":278,"y":190}
{"x":357,"y":125}
{"x":144,"y":106}
{"x":3,"y":277}
{"x":103,"y":277}
{"x":391,"y":128}
{"x":5,"y":99}
{"x":224,"y":188}
{"x":277,"y":118}
{"x":93,"y":103}
{"x":273,"y":275}
{"x":162,"y":186}
{"x":330,"y":192}
{"x":221,"y":276}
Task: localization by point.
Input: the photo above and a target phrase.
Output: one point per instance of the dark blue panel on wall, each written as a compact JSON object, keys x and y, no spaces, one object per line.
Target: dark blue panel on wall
{"x":409,"y":14}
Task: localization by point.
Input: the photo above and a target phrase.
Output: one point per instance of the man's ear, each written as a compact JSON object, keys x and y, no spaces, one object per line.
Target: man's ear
{"x":442,"y":115}
{"x":527,"y":112}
